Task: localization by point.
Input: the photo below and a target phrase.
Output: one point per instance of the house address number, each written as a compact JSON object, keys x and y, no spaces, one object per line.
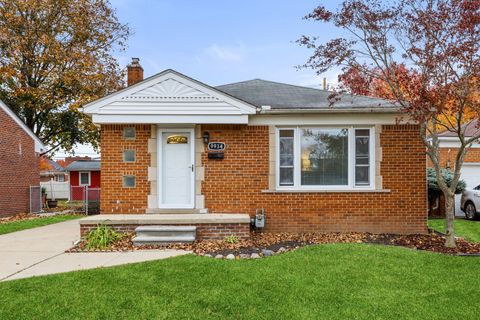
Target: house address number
{"x":216,"y":146}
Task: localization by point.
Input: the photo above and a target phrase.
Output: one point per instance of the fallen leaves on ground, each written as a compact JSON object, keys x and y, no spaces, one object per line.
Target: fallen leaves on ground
{"x":19,"y":217}
{"x":289,"y":241}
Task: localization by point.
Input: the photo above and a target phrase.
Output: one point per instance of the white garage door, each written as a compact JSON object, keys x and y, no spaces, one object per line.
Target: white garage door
{"x":471,"y":175}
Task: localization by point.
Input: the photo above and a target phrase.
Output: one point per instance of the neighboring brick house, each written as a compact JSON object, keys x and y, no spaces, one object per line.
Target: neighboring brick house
{"x":171,"y":144}
{"x":19,"y":162}
{"x":470,"y":172}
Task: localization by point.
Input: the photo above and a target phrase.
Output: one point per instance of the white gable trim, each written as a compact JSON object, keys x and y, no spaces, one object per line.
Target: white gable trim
{"x":39,"y":146}
{"x":168,"y":94}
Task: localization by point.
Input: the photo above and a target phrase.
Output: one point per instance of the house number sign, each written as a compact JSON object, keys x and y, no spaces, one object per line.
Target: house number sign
{"x":216,"y":146}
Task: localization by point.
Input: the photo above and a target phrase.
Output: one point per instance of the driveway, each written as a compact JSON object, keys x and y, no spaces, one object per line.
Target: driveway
{"x":41,"y":251}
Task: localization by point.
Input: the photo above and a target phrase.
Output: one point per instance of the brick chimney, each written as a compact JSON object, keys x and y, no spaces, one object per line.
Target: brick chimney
{"x":134,"y":72}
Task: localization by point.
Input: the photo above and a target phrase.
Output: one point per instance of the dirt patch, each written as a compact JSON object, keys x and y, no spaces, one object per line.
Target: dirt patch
{"x":19,"y":217}
{"x":30,"y":216}
{"x":260,"y":243}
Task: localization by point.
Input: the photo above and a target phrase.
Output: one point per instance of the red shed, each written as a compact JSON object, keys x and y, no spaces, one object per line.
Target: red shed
{"x":84,"y":174}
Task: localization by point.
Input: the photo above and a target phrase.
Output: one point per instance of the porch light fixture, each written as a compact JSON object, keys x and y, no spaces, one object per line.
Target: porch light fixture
{"x":206,"y":137}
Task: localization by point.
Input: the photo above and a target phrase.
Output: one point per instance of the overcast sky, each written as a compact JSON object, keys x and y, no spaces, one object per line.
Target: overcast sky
{"x":220,"y":41}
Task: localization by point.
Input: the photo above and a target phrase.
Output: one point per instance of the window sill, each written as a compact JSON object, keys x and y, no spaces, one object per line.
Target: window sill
{"x":328,"y":191}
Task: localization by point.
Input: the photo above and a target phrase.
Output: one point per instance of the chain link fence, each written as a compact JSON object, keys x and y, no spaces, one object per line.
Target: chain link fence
{"x":80,"y":199}
{"x":84,"y":199}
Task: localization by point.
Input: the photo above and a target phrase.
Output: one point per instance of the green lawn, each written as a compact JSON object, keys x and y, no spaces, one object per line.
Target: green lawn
{"x":337,"y":281}
{"x":28,"y":224}
{"x":470,"y":230}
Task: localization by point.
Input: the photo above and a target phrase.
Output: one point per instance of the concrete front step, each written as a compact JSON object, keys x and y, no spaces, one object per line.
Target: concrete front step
{"x":171,"y":231}
{"x":162,"y":235}
{"x":161,"y":240}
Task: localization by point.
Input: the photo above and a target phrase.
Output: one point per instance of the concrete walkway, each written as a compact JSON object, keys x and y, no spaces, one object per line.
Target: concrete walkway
{"x":41,"y":251}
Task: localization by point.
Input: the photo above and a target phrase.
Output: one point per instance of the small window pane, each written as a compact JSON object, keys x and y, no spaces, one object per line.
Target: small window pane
{"x":129,"y":181}
{"x":286,"y":176}
{"x":362,"y":175}
{"x":324,"y":157}
{"x":362,"y":160}
{"x":61,"y":178}
{"x":362,"y":133}
{"x":286,"y":152}
{"x":286,"y":158}
{"x":361,"y":146}
{"x":362,"y":157}
{"x":177,"y":139}
{"x":84,"y":178}
{"x":286,"y":133}
{"x":129,"y":133}
{"x":129,"y":155}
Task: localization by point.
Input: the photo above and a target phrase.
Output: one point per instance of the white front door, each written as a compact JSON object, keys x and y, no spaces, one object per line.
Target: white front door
{"x":177,"y":169}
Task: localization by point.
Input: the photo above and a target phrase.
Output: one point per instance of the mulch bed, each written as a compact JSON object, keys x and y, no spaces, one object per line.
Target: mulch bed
{"x":281,"y":242}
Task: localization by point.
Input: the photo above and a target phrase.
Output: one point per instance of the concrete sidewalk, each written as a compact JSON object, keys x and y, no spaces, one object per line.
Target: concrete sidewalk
{"x":41,"y":251}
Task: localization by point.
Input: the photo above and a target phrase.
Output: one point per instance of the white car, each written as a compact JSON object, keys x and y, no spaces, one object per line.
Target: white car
{"x":470,"y":203}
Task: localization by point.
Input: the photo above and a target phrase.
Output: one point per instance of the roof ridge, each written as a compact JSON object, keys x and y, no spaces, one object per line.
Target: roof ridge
{"x":305,"y":87}
{"x":276,"y":82}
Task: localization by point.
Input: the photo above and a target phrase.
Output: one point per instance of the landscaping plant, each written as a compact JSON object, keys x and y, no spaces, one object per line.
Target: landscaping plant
{"x":231,"y":239}
{"x":102,"y":237}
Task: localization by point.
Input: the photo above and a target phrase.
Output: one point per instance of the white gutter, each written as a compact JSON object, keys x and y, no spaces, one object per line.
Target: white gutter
{"x":330,"y":110}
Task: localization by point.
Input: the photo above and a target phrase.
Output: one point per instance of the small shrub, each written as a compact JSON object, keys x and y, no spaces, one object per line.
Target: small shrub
{"x":102,"y":237}
{"x":447,"y":176}
{"x":231,"y":239}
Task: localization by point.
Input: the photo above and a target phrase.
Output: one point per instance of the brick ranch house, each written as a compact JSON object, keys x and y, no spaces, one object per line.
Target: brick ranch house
{"x":217,"y":155}
{"x":19,"y":163}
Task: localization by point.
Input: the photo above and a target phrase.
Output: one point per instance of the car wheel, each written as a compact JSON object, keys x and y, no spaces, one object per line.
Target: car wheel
{"x":470,"y":211}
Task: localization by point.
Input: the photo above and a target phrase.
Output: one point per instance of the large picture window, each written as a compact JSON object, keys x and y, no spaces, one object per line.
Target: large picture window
{"x":324,"y":158}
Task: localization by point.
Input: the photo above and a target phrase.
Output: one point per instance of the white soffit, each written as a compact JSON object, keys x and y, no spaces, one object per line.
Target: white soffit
{"x":168,"y":95}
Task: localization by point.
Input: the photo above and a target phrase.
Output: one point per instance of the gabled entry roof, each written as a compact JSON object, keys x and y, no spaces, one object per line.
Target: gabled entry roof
{"x":169,"y":97}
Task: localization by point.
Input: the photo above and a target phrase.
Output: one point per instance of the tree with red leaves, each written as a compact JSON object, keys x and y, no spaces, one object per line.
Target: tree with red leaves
{"x":355,"y":81}
{"x":435,"y":44}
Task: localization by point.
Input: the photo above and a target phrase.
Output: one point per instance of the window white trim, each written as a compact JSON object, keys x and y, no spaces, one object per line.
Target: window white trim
{"x":80,"y":178}
{"x":351,"y":160}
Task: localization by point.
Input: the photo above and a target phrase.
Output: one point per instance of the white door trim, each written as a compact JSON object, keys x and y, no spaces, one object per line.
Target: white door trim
{"x":160,"y":131}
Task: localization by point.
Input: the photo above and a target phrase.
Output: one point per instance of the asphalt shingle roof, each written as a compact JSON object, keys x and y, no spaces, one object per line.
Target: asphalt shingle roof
{"x":277,"y":95}
{"x":84,"y":165}
{"x":471,"y":128}
{"x":55,"y":165}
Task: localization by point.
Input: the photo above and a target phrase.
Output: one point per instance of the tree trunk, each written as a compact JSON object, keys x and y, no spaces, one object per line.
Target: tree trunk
{"x":449,"y":218}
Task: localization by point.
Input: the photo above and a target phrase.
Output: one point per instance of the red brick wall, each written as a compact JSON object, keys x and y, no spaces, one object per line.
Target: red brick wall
{"x":205,"y":231}
{"x":473,"y":155}
{"x":19,"y":166}
{"x":116,"y":198}
{"x":235,"y":185}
